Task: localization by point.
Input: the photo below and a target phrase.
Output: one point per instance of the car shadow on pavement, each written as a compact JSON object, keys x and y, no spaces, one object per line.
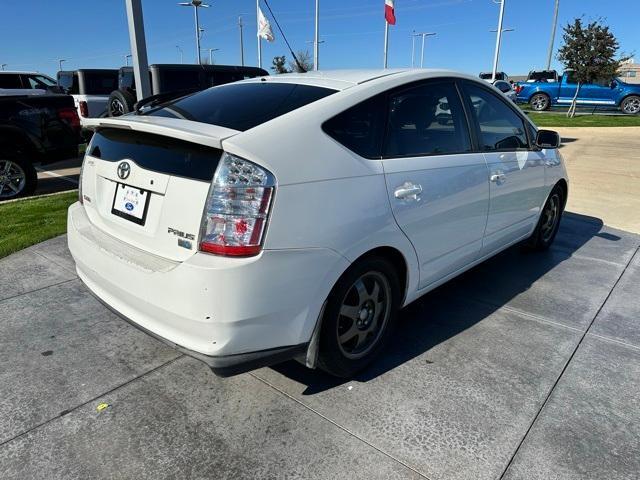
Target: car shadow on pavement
{"x":565,"y":140}
{"x":429,"y":321}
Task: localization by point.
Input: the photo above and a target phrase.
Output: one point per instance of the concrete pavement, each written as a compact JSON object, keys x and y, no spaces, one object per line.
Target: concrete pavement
{"x":526,"y":367}
{"x":604,"y":170}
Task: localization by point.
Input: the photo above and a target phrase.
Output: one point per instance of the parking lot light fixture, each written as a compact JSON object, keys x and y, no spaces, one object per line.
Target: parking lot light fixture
{"x":211,"y":50}
{"x":60,"y":62}
{"x":553,"y":34}
{"x":196,"y":4}
{"x":424,"y":35}
{"x":498,"y":39}
{"x":4,"y":65}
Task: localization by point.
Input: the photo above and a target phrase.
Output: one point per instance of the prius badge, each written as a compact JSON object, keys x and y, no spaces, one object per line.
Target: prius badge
{"x":124,"y":169}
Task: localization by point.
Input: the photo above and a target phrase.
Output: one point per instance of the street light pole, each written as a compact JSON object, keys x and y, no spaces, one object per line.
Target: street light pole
{"x":241,"y":41}
{"x":181,"y":53}
{"x":413,"y":48}
{"x":553,"y":34}
{"x":138,"y":48}
{"x":316,"y":41}
{"x":60,"y":61}
{"x":498,"y":40}
{"x":196,"y":4}
{"x":126,"y":60}
{"x":4,"y":65}
{"x":424,"y":35}
{"x":211,"y":50}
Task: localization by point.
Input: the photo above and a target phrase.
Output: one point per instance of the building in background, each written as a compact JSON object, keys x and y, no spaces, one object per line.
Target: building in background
{"x":630,"y":71}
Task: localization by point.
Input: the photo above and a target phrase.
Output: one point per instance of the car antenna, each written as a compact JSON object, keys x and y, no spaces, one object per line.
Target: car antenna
{"x":300,"y":67}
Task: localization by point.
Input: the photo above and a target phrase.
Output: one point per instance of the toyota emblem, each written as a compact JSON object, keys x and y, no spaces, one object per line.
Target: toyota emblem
{"x":124,"y":169}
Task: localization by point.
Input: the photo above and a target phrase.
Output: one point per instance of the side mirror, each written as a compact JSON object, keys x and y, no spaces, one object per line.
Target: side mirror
{"x":547,"y":139}
{"x":613,"y":84}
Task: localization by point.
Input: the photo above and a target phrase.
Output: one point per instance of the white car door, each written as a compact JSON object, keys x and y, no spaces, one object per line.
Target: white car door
{"x":516,"y":171}
{"x":438,"y":187}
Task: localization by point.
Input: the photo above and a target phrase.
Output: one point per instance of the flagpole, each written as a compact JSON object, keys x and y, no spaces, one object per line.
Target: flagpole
{"x":259,"y":39}
{"x":386,"y":42}
{"x":316,"y":46}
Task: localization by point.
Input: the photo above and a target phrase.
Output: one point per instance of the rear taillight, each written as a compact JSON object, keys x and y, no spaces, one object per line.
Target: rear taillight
{"x":84,"y":109}
{"x":237,"y":208}
{"x":69,"y":115}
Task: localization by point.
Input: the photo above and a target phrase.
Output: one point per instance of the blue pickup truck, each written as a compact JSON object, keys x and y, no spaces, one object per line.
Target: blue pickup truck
{"x":613,"y":94}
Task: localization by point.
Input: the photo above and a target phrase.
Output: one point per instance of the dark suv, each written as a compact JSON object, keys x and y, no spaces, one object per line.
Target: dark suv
{"x":26,"y":83}
{"x":168,"y":78}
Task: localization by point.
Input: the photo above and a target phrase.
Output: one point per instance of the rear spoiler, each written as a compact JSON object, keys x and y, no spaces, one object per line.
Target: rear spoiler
{"x":187,"y":130}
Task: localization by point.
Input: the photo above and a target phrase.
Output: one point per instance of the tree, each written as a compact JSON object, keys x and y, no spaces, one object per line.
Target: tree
{"x":589,"y":51}
{"x":304,"y":64}
{"x":279,"y":65}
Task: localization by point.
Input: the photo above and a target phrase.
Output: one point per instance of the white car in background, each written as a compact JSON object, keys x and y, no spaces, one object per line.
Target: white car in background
{"x":292,"y":216}
{"x":90,"y":88}
{"x":507,"y":89}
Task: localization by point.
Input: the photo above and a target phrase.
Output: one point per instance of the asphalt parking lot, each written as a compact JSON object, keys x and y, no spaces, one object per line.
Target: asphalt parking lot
{"x":526,"y":367}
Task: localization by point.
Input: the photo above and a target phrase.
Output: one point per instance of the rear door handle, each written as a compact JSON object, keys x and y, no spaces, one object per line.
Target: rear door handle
{"x":408,"y":190}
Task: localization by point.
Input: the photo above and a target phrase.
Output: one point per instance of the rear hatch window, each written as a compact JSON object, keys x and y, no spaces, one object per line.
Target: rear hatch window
{"x":100,"y":83}
{"x":156,"y":153}
{"x":242,"y":106}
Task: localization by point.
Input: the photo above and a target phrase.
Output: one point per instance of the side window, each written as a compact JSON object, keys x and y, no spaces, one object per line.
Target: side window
{"x":360,"y":128}
{"x":69,"y":82}
{"x":570,"y":77}
{"x":500,"y":127}
{"x":503,"y":86}
{"x":426,"y":120}
{"x":9,"y":80}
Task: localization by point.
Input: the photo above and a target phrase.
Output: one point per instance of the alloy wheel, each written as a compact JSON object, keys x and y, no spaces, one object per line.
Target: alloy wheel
{"x":117,"y":108}
{"x":550,"y":216}
{"x":632,"y":105}
{"x":364,"y":314}
{"x":12,"y":179}
{"x":539,"y":102}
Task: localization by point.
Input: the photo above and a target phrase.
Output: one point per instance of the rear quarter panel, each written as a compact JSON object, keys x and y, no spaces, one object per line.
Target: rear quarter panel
{"x":327,"y":196}
{"x":530,"y":89}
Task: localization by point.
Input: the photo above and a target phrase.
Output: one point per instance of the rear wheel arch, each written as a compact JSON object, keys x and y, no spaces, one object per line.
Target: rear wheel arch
{"x":392,"y":255}
{"x":16,"y":140}
{"x":396,"y":258}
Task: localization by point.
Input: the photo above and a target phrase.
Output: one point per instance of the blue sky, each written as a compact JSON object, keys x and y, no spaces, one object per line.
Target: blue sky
{"x":93,"y":33}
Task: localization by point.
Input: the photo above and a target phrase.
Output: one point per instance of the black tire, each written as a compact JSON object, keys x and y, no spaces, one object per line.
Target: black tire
{"x":549,"y":222}
{"x":631,"y":105}
{"x":12,"y":166}
{"x":540,"y":102}
{"x":344,"y":358}
{"x":120,"y":103}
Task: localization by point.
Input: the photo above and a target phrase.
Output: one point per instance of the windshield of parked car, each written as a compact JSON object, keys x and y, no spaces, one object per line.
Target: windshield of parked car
{"x":40,"y":81}
{"x":242,"y":106}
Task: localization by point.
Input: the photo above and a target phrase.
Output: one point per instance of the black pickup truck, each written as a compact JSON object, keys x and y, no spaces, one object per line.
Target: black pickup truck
{"x":34,"y":129}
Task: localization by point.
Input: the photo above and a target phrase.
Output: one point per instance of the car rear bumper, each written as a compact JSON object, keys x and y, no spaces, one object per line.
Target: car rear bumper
{"x":233,"y":314}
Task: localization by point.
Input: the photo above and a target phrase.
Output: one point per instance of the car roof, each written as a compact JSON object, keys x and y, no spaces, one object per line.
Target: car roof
{"x":343,"y":79}
{"x":4,"y":72}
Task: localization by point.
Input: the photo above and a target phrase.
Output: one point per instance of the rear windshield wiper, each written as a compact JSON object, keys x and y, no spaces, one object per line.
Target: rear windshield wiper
{"x":154,"y":100}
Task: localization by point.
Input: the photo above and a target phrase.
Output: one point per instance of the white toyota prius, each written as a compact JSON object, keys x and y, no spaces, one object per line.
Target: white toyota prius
{"x":292,"y":216}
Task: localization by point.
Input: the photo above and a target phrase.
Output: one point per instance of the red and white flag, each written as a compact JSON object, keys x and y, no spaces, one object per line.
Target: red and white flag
{"x":389,"y":12}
